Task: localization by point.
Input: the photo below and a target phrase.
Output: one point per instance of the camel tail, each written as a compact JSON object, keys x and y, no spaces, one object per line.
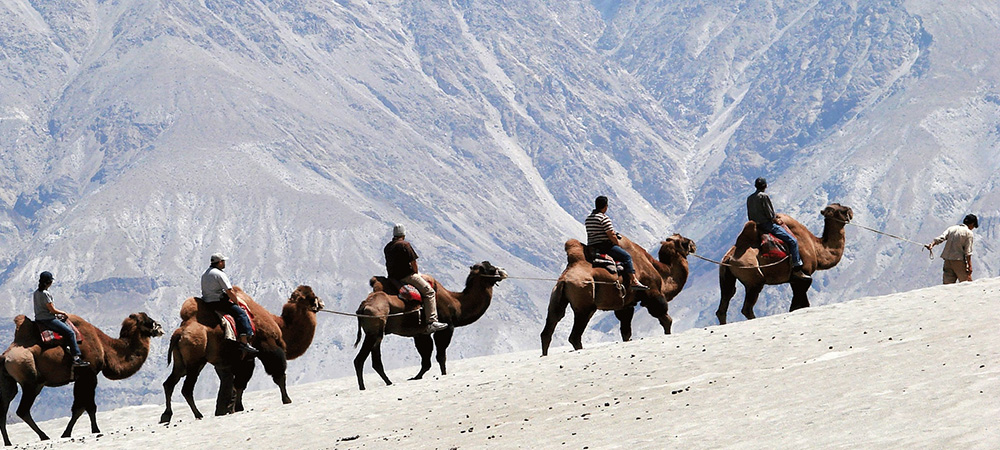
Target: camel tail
{"x":174,"y":342}
{"x":359,"y":335}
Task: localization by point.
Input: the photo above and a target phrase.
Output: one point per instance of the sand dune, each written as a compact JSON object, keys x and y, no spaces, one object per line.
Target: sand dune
{"x":913,"y":370}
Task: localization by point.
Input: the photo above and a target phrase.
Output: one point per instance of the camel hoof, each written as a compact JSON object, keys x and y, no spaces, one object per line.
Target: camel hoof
{"x":165,"y":418}
{"x":286,"y":401}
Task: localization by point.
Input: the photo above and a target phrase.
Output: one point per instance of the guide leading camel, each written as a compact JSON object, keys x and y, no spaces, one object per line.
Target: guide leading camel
{"x":401,"y":265}
{"x":761,"y":212}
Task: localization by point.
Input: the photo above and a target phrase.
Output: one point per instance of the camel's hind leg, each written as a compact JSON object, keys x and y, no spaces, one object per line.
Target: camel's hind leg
{"x":753,"y":293}
{"x":176,"y":374}
{"x":557,"y":310}
{"x":727,"y":284}
{"x":30,"y":392}
{"x":187,"y":390}
{"x":372,"y":340}
{"x":425,"y":347}
{"x":84,"y":389}
{"x":8,"y":389}
{"x":377,"y":361}
{"x":581,"y":317}
{"x":224,"y":401}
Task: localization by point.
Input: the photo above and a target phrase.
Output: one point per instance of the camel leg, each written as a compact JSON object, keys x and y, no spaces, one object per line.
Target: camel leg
{"x":442,"y":339}
{"x":187,"y":390}
{"x":377,"y":362}
{"x":242,"y":372}
{"x":727,"y":284}
{"x":8,"y":389}
{"x":84,"y":389}
{"x":800,"y":294}
{"x":425,"y":346}
{"x":168,"y":389}
{"x":224,"y":401}
{"x":359,"y":361}
{"x":275,"y":363}
{"x":658,"y":308}
{"x":557,"y":310}
{"x":24,"y":409}
{"x":581,"y":318}
{"x":624,"y":316}
{"x":753,"y":293}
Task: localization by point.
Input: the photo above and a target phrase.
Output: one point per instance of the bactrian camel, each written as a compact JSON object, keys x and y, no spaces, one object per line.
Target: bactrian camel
{"x":29,"y":363}
{"x":742,"y":262}
{"x":457,"y":309}
{"x":587,"y":289}
{"x":199,"y":341}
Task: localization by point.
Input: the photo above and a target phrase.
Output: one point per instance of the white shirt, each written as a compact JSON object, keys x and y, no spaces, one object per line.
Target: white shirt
{"x":214,"y":284}
{"x":959,"y":243}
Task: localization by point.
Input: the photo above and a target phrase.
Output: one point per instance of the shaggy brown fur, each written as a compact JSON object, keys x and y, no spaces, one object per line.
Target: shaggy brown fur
{"x":816,"y":253}
{"x":456,"y":309}
{"x":199,"y":341}
{"x":27,"y":363}
{"x":587,"y":289}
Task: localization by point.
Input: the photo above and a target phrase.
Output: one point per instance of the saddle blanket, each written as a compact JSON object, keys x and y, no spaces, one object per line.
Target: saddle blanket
{"x":49,"y":336}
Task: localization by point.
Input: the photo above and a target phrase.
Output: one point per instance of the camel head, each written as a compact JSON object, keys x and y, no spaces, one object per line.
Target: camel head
{"x":486,"y":270}
{"x":143,"y":324}
{"x":675,"y":245}
{"x":304,"y":295}
{"x":838,"y":212}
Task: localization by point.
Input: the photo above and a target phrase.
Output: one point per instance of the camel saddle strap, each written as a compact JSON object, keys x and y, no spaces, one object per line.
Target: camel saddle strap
{"x":228,"y":323}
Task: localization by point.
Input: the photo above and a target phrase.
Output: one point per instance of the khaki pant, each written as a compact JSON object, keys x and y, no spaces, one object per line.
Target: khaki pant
{"x":427,"y":293}
{"x":955,"y":271}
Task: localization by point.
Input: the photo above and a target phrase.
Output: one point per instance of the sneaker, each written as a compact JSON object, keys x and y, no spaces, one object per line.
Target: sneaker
{"x":637,"y":286}
{"x":436,"y":326}
{"x":79,"y":362}
{"x":248,"y":349}
{"x":799,"y":274}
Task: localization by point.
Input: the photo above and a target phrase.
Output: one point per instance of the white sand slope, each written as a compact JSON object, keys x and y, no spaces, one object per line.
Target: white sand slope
{"x":914,"y":370}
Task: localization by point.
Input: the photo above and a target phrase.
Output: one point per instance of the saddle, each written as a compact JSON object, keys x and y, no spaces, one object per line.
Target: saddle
{"x":771,"y":247}
{"x":601,"y":260}
{"x":406,"y":292}
{"x":51,"y":338}
{"x":226,"y":321}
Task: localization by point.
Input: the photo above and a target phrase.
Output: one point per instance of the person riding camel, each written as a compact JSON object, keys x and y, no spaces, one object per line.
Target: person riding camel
{"x":401,"y":265}
{"x":217,"y":293}
{"x":54,"y":319}
{"x":761,"y":212}
{"x":601,"y":236}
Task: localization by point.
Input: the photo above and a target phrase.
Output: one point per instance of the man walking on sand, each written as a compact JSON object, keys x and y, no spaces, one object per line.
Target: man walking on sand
{"x":957,"y":253}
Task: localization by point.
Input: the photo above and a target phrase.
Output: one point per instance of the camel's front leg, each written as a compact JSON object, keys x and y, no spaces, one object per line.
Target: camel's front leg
{"x":441,"y":341}
{"x":24,"y":409}
{"x":581,"y":318}
{"x":425,"y":346}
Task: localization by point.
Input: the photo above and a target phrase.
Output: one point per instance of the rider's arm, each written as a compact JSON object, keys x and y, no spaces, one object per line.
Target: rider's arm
{"x":613,"y":237}
{"x":413,"y":265}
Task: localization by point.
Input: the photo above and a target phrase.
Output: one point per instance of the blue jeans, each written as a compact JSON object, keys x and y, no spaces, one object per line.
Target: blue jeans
{"x":619,"y":254}
{"x":66,"y":331}
{"x":784,"y":235}
{"x":243,"y":327}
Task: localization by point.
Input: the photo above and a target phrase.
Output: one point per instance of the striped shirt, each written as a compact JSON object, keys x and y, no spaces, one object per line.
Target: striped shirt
{"x":598,"y":224}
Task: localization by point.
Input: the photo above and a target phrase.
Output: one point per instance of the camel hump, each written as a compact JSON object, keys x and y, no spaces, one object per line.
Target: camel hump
{"x":26,"y":332}
{"x":574,"y":251}
{"x":748,"y":237}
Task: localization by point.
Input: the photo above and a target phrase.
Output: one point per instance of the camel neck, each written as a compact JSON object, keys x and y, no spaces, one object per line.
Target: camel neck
{"x":298,"y":326}
{"x":123,"y":357}
{"x":832,"y":245}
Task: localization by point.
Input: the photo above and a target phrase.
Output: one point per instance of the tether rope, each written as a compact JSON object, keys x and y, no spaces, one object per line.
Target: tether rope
{"x":738,"y":267}
{"x":370,"y":315}
{"x":889,"y":235}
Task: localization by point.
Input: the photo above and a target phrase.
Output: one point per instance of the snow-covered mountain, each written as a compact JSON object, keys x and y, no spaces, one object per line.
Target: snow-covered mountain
{"x":141,"y":136}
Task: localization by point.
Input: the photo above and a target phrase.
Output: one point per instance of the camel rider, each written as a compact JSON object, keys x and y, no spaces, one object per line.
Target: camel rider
{"x":761,"y":212}
{"x":601,"y":236}
{"x":217,"y":293}
{"x":54,"y":319}
{"x":401,"y":264}
{"x":957,"y":253}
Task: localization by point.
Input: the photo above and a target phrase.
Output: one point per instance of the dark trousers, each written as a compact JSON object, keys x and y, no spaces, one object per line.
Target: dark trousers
{"x":64,"y":330}
{"x":243,"y":327}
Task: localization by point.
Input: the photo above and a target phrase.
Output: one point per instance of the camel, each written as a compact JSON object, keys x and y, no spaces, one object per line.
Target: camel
{"x":457,"y":309}
{"x":743,"y":264}
{"x":199,"y":341}
{"x":29,"y":363}
{"x":588,"y":289}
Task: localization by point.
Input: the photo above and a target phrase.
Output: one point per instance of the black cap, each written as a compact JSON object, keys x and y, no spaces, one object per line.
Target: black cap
{"x":971,"y":220}
{"x":45,"y":276}
{"x":760,"y":183}
{"x":600,"y":202}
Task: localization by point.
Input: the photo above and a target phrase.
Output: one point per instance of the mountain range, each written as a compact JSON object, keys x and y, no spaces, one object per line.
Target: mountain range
{"x":139,"y":137}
